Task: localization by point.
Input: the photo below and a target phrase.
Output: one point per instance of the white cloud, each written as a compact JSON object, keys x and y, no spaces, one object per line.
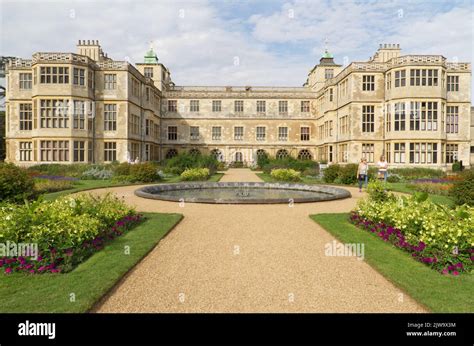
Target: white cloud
{"x":199,"y":46}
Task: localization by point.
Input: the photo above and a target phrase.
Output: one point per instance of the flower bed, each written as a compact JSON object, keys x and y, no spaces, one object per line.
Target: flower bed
{"x":441,"y":238}
{"x":66,"y":231}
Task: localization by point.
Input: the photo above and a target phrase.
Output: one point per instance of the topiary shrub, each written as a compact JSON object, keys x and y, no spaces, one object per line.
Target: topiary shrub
{"x":194,"y":174}
{"x":283,"y":174}
{"x":331,"y":173}
{"x":463,"y":190}
{"x":15,"y":183}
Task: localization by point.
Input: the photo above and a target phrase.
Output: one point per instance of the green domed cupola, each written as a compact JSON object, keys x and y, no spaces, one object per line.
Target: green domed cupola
{"x":327,"y":55}
{"x":151,"y":57}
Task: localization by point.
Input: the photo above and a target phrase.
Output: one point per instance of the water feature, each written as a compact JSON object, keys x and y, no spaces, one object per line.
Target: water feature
{"x":242,"y":193}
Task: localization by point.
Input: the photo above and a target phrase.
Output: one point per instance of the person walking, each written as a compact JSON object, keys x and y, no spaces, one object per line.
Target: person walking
{"x":383,"y":168}
{"x":362,"y":173}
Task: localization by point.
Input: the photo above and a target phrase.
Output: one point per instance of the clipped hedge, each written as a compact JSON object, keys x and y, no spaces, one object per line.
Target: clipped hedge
{"x":283,"y":174}
{"x":194,"y":174}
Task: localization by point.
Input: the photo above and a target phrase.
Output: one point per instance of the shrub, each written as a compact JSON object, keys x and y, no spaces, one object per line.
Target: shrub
{"x":435,"y":235}
{"x":15,"y":183}
{"x":432,"y":188}
{"x":145,"y":172}
{"x":66,"y":230}
{"x":285,"y":174}
{"x":262,"y":160}
{"x":58,"y":169}
{"x":122,"y":169}
{"x":416,"y":173}
{"x":97,"y":173}
{"x":311,"y":172}
{"x":377,"y":191}
{"x":290,"y":163}
{"x":331,"y":173}
{"x":348,"y":174}
{"x":47,"y":185}
{"x":393,"y":178}
{"x":236,"y":164}
{"x":193,"y":174}
{"x":463,"y":190}
{"x":183,"y":161}
{"x":456,"y":167}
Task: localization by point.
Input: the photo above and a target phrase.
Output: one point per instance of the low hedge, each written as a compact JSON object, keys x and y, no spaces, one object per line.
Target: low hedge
{"x":283,"y":174}
{"x":194,"y":174}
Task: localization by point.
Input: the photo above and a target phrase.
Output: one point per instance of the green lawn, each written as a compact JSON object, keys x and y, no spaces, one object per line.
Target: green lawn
{"x":439,"y":293}
{"x":84,"y":185}
{"x":397,"y":187}
{"x":90,"y":280}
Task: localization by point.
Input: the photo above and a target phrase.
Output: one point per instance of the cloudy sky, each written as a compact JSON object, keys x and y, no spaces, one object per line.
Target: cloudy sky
{"x":239,"y":42}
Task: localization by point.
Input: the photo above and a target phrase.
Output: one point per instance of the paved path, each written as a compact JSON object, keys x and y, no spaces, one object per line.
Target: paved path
{"x":250,"y":258}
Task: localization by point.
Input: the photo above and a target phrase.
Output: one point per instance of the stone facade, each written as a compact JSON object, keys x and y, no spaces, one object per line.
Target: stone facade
{"x":413,"y":109}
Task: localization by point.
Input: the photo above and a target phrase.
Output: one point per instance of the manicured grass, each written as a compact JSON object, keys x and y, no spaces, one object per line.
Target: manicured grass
{"x":439,"y":293}
{"x":84,"y":185}
{"x":91,"y":279}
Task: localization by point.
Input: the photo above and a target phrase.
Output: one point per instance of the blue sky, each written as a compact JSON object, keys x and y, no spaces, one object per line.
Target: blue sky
{"x":274,"y":42}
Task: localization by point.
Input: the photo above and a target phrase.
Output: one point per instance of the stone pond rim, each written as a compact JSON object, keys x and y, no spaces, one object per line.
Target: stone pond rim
{"x":307,"y":193}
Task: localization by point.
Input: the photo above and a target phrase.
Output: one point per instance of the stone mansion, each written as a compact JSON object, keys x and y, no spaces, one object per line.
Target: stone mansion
{"x":85,"y":107}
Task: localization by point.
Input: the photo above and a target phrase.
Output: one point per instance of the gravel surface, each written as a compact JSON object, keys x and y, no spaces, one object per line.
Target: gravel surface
{"x":250,"y":258}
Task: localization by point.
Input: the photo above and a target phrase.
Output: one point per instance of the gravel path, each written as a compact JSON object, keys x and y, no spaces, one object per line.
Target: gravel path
{"x":250,"y":258}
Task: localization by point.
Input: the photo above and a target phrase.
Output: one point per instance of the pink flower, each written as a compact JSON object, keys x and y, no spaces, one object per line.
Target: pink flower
{"x":8,"y":270}
{"x":455,"y":273}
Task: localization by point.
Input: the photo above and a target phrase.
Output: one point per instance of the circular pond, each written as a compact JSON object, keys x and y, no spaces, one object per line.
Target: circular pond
{"x":242,"y":193}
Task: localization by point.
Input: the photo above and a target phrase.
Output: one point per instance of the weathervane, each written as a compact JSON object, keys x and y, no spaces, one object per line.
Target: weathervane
{"x":326,"y":44}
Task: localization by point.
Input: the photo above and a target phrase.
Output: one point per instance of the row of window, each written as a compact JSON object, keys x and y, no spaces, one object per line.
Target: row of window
{"x":55,"y":114}
{"x":421,"y":153}
{"x":260,"y":133}
{"x":194,"y":106}
{"x":421,"y":116}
